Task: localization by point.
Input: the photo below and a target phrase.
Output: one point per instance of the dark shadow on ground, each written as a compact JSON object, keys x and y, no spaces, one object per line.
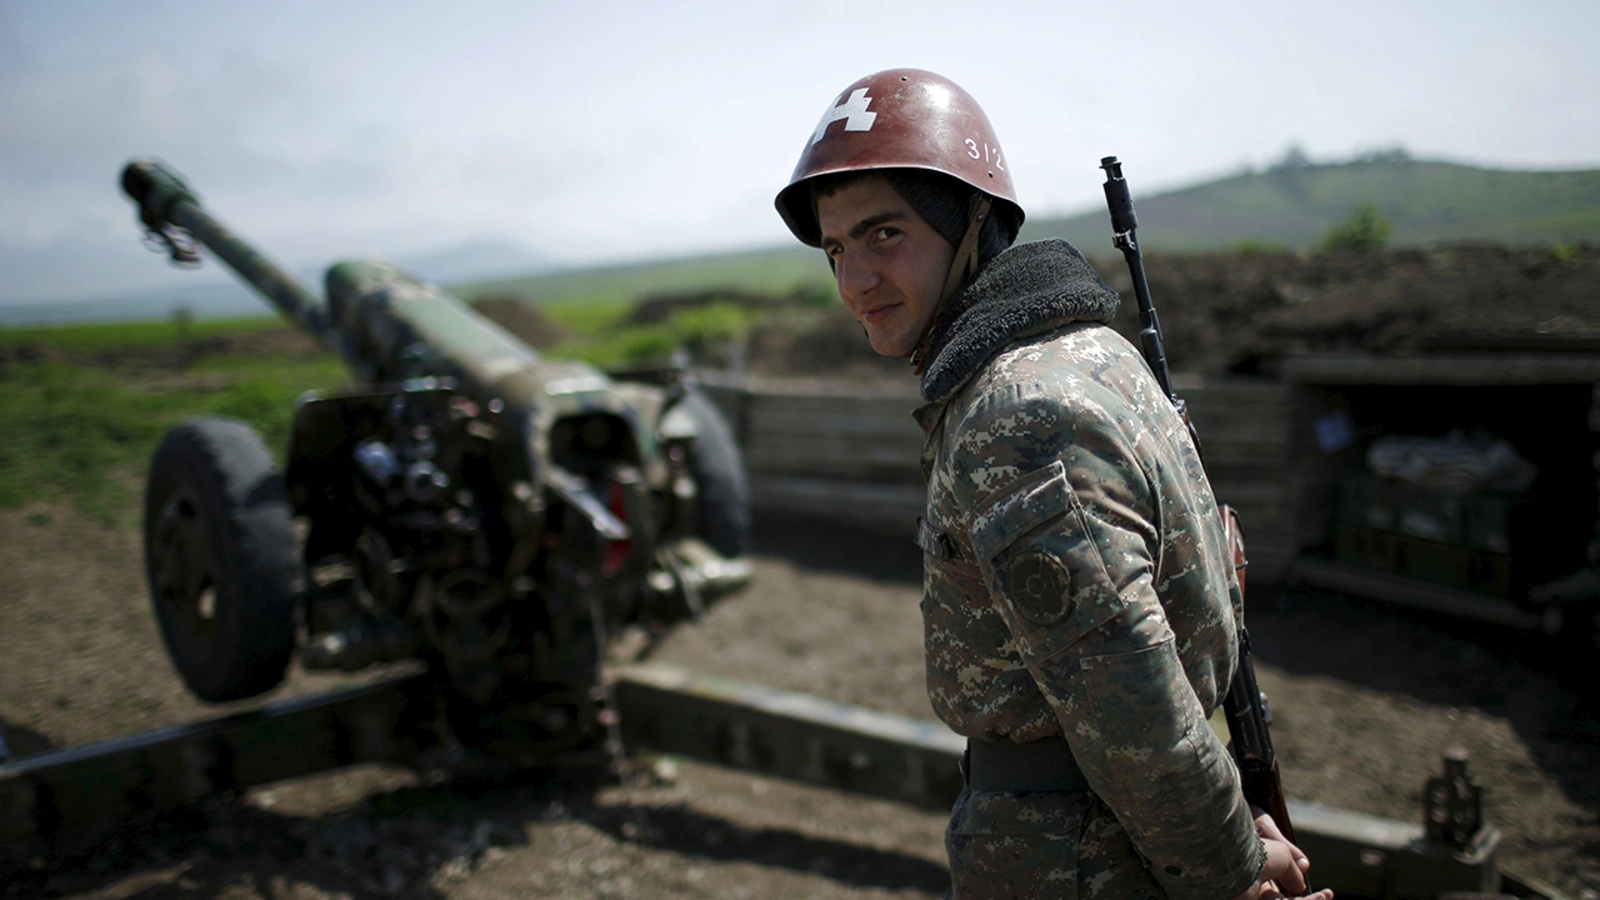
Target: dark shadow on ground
{"x":812,"y":542}
{"x":398,"y":842}
{"x":694,"y":833}
{"x":17,"y":742}
{"x":1544,"y":687}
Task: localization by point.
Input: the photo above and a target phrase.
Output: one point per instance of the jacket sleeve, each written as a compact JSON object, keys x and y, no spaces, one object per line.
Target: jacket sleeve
{"x":1061,"y":521}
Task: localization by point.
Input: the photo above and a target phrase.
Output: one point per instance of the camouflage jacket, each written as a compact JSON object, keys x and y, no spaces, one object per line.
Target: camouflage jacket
{"x":1076,"y":578}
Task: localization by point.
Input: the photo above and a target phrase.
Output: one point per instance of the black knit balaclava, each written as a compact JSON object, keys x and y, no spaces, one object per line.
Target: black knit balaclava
{"x":942,"y":202}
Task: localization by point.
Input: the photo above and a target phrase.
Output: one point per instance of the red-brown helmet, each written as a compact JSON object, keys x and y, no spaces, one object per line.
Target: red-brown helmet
{"x":898,"y":118}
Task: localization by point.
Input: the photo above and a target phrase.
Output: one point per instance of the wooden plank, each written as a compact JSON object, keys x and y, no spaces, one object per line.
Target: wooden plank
{"x":892,"y":508}
{"x":1269,"y":562}
{"x":1268,"y":460}
{"x":824,"y":456}
{"x":167,"y":767}
{"x":823,"y":450}
{"x":1251,"y":493}
{"x":1445,"y":369}
{"x":898,"y":430}
{"x":794,"y":736}
{"x":823,"y":404}
{"x":723,"y":721}
{"x":1265,"y":425}
{"x":1414,"y":592}
{"x":884,"y":388}
{"x":1223,"y":411}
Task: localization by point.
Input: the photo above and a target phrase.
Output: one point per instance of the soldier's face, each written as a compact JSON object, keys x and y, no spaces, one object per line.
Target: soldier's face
{"x":889,"y":263}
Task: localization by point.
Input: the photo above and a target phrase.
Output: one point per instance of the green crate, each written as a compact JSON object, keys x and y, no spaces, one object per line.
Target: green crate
{"x":1432,"y":561}
{"x":1455,"y":565}
{"x":1367,"y":547}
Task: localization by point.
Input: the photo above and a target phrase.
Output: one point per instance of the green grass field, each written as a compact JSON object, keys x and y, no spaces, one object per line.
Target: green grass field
{"x":80,"y":433}
{"x":91,"y":338}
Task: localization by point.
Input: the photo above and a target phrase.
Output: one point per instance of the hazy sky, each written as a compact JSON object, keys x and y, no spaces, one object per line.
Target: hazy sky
{"x":608,"y":131}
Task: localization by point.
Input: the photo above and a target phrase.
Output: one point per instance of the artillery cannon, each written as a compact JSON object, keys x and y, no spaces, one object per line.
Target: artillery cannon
{"x":473,"y":505}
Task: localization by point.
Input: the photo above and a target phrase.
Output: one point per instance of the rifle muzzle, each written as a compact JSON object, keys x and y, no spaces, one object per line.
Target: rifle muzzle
{"x":1118,"y":200}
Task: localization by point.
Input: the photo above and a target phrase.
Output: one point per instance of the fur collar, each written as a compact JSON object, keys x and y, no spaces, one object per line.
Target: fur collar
{"x":1028,"y":289}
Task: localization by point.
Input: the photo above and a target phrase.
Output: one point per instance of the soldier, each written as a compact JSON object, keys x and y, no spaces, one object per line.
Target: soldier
{"x":1080,"y":611}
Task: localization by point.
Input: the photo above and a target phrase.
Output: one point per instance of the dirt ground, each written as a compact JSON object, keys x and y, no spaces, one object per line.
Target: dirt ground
{"x":1366,"y":699}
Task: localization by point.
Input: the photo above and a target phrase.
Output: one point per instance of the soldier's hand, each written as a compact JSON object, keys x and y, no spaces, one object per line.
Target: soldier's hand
{"x":1285,"y":873}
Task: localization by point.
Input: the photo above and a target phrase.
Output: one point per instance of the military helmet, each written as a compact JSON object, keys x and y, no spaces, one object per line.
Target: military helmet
{"x":899,"y":118}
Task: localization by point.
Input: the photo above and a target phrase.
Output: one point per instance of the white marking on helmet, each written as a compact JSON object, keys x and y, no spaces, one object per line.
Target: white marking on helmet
{"x":854,"y":112}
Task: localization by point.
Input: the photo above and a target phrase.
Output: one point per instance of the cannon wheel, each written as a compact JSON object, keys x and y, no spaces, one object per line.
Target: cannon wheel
{"x":220,"y":558}
{"x":722,"y":512}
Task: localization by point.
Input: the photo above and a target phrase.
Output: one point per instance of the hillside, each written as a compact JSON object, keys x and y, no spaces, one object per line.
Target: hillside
{"x":1289,"y":207}
{"x":1292,"y":206}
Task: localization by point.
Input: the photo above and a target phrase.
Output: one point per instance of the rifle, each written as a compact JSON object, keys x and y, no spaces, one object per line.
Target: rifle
{"x":1245,"y":707}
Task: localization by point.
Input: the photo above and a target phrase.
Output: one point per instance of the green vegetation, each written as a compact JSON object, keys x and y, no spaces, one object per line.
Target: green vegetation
{"x":81,"y":434}
{"x":1253,"y":245}
{"x":601,"y":335}
{"x":1427,"y":202}
{"x":153,"y":335}
{"x":1366,"y":230}
{"x":588,"y":320}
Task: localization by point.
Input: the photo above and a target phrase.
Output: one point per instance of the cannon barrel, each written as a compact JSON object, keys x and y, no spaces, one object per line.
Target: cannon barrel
{"x":165,"y":202}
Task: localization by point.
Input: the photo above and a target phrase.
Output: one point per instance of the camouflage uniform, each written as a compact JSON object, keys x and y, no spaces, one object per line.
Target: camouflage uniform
{"x":1076,"y":585}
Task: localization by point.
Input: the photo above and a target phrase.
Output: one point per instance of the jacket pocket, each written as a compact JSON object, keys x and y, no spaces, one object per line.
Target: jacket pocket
{"x":1041,"y":561}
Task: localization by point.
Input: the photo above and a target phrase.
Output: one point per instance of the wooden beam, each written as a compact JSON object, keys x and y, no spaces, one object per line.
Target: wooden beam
{"x":1457,"y":369}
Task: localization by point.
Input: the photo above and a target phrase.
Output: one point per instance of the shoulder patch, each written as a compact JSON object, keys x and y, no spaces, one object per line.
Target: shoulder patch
{"x":1039,"y":586}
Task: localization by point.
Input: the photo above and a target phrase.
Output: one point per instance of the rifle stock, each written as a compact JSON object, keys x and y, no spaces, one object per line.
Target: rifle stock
{"x":1246,"y":711}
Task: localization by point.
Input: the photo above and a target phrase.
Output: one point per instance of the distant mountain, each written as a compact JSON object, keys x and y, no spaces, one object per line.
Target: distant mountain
{"x":1293,"y":206}
{"x":209,"y":296}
